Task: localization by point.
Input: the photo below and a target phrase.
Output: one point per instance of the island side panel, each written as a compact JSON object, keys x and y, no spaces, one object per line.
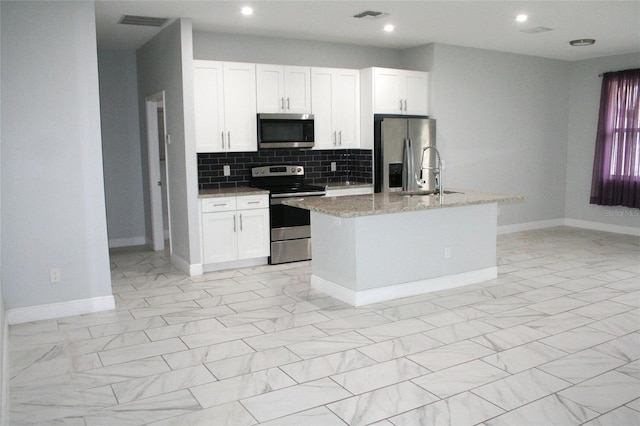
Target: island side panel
{"x":355,"y":257}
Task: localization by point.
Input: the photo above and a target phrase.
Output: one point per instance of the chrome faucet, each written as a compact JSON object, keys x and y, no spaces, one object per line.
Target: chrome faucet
{"x":437,"y":171}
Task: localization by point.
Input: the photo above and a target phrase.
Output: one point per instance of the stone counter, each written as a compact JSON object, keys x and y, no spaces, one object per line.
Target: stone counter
{"x":231,"y":192}
{"x":386,"y":203}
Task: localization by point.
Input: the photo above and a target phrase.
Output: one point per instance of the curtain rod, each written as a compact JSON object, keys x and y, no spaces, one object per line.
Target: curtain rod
{"x":631,"y":69}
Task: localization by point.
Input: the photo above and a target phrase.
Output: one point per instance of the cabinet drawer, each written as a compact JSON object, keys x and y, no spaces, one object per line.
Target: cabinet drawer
{"x":253,"y":202}
{"x":218,"y":204}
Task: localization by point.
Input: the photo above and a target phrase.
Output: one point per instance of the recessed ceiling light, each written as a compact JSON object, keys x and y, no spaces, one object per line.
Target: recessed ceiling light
{"x":389,"y":28}
{"x":582,"y":42}
{"x":522,"y":18}
{"x":246,"y":11}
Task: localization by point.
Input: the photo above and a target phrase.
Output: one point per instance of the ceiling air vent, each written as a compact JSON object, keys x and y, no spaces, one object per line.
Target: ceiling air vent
{"x":370,"y":14}
{"x":536,"y":30}
{"x":145,"y":21}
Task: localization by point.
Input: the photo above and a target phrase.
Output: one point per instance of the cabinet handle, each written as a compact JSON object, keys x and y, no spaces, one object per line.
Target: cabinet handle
{"x":335,"y":139}
{"x":282,"y":103}
{"x":400,"y":104}
{"x":229,"y":139}
{"x":253,"y":202}
{"x":241,"y":221}
{"x":405,"y":105}
{"x":288,"y":104}
{"x":234,"y":223}
{"x":340,"y":137}
{"x":222,"y":137}
{"x":220,"y":205}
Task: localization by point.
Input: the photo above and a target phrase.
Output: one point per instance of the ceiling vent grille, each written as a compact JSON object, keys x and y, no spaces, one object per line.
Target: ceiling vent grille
{"x":370,"y":14}
{"x":145,"y":21}
{"x":536,"y":30}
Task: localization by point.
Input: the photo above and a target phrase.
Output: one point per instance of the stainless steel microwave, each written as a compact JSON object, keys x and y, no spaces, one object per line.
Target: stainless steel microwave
{"x":285,"y":131}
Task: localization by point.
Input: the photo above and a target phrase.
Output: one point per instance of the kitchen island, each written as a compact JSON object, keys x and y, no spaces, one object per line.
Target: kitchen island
{"x":377,"y":247}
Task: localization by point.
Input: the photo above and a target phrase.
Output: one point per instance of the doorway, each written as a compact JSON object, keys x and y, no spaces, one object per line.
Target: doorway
{"x":158,"y":171}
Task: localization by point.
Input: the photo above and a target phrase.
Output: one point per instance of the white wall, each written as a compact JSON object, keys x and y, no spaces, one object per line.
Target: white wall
{"x":53,"y":210}
{"x":585,"y":85}
{"x":121,"y":148}
{"x":166,"y":63}
{"x":271,"y":50}
{"x":502,"y":126}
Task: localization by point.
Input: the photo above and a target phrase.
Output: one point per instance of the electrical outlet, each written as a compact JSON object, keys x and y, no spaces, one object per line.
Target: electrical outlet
{"x":334,"y":167}
{"x":55,"y":275}
{"x":447,"y":252}
{"x":226,"y":170}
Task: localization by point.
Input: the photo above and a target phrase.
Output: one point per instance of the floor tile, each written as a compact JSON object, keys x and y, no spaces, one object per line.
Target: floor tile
{"x":379,"y":375}
{"x":239,"y":387}
{"x":550,"y":410}
{"x":294,"y":399}
{"x":381,"y":403}
{"x":519,"y":389}
{"x":320,"y":416}
{"x":462,"y":409}
{"x":524,"y":357}
{"x":249,"y":363}
{"x":327,"y":365}
{"x":454,"y":380}
{"x":618,"y":417}
{"x":400,"y":346}
{"x":580,"y":366}
{"x":605,"y":392}
{"x":450,"y":355}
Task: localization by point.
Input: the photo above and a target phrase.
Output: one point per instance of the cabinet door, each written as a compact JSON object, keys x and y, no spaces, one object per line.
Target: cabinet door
{"x":416,"y":89}
{"x":219,"y":237}
{"x":253,"y":233}
{"x":208,"y":106}
{"x":240,"y":107}
{"x":297,"y":90}
{"x":387,"y":91}
{"x":270,"y":88}
{"x":322,"y":108}
{"x":346,"y":108}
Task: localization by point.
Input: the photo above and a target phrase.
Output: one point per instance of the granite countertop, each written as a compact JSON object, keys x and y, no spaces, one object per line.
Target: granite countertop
{"x":231,"y":192}
{"x":385,"y":203}
{"x":347,"y":185}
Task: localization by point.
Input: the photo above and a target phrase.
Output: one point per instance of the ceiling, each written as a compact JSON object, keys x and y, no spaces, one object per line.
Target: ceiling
{"x":481,"y":24}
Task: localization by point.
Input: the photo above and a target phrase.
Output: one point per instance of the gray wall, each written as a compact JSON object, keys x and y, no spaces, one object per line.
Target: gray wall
{"x":121,"y":147}
{"x":270,"y":50}
{"x":53,"y":210}
{"x":166,"y":63}
{"x":4,"y":328}
{"x":501,"y":126}
{"x":585,"y":85}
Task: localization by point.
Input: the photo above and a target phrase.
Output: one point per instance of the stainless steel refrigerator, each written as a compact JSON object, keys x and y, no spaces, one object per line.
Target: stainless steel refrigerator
{"x":401,"y":162}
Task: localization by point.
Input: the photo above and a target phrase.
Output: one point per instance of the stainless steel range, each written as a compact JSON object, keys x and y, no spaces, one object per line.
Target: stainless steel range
{"x":290,"y":226}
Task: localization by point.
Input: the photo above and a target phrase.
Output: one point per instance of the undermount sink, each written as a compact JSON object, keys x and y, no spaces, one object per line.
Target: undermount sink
{"x":425,"y":192}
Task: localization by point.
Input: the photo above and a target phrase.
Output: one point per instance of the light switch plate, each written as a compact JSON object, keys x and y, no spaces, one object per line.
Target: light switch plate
{"x":334,"y":167}
{"x":226,"y":170}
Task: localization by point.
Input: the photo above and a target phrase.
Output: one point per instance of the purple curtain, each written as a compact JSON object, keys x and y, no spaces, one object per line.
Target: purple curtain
{"x":616,"y":164}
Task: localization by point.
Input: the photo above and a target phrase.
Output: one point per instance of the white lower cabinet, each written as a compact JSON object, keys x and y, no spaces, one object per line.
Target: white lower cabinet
{"x":235,"y":228}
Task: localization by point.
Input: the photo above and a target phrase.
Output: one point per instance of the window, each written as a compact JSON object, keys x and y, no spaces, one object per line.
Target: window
{"x":616,"y":165}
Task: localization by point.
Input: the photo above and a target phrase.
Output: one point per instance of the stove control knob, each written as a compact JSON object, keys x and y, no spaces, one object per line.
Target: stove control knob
{"x":299,"y":170}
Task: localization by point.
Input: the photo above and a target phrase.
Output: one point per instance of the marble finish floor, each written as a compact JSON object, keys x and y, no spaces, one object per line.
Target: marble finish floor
{"x":554,"y":340}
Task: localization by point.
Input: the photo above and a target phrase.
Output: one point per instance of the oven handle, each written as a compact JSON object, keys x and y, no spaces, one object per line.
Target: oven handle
{"x":300,"y":194}
{"x":278,"y":199}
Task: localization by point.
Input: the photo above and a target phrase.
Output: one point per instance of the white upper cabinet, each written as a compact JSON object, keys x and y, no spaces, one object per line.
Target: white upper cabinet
{"x":283,"y":89}
{"x":335,"y":103}
{"x":400,"y":91}
{"x":225,"y":106}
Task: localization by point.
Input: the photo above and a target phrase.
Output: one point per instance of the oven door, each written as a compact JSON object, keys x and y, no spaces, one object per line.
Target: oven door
{"x":288,"y":223}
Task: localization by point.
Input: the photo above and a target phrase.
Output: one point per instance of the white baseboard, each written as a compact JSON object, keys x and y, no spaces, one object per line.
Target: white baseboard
{"x":529,"y":226}
{"x":397,"y":291}
{"x":61,"y":309}
{"x":186,"y":267}
{"x":127,"y":242}
{"x":597,"y":226}
{"x":4,"y":382}
{"x":575,"y":223}
{"x":245,"y":263}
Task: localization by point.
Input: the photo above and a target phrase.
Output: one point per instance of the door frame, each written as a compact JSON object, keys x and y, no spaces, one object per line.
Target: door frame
{"x":152,"y":103}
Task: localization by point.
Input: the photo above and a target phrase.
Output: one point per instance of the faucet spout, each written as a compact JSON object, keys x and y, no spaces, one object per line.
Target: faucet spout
{"x":437,"y":171}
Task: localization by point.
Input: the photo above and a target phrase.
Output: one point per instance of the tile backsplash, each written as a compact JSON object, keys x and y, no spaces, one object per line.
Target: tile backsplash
{"x":354,"y":165}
